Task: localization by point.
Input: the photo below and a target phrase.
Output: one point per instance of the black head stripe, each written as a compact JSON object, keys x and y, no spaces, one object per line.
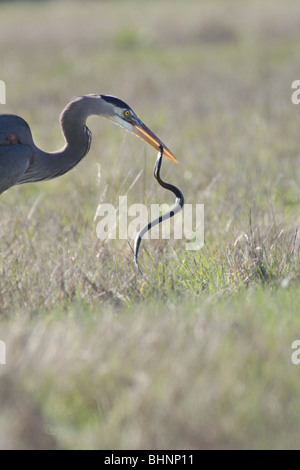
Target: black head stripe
{"x":115,"y":101}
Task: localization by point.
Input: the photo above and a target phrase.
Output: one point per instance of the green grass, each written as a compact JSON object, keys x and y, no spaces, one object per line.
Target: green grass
{"x":196,"y":354}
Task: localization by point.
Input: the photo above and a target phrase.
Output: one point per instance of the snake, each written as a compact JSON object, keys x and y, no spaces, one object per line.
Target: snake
{"x":179,"y":202}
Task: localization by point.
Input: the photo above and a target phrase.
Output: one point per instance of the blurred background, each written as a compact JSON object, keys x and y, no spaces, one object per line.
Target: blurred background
{"x":213,"y":80}
{"x":198,"y":73}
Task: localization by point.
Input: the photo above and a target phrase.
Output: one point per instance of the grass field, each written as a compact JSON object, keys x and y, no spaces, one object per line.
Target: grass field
{"x":196,"y":355}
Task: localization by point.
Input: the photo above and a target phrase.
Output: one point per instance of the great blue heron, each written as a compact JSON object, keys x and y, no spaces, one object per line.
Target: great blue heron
{"x":22,"y":162}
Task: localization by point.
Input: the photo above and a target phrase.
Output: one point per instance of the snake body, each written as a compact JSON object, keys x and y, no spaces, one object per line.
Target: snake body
{"x":167,"y":215}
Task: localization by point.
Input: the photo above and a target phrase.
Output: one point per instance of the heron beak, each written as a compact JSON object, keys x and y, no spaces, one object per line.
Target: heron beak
{"x":146,"y":134}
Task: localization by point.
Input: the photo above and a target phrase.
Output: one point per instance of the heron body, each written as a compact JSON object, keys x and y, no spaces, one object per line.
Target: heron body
{"x":21,"y":161}
{"x":14,"y":156}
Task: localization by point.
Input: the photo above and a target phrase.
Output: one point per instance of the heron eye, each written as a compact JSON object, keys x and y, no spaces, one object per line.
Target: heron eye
{"x":127,"y":112}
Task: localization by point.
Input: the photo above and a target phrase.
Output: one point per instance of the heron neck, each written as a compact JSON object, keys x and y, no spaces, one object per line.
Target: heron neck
{"x":77,"y":140}
{"x":48,"y":165}
{"x":77,"y":135}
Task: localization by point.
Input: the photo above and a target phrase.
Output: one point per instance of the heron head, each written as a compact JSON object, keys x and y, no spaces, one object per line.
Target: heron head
{"x":123,"y":115}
